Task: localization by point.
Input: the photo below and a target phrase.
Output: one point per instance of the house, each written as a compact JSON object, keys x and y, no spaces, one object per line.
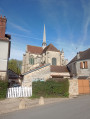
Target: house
{"x":43,"y":73}
{"x":79,"y":68}
{"x":13,"y":78}
{"x":35,"y":56}
{"x":4,"y":48}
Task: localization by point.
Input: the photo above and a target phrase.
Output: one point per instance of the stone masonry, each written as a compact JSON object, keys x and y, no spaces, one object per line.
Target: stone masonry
{"x":73,"y":87}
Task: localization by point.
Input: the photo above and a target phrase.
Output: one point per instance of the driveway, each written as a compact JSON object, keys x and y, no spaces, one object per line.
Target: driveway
{"x":77,"y":108}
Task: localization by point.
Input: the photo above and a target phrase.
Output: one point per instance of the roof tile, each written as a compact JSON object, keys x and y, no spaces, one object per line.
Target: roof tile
{"x":58,"y":68}
{"x":83,"y":56}
{"x":34,"y":49}
{"x":50,"y":47}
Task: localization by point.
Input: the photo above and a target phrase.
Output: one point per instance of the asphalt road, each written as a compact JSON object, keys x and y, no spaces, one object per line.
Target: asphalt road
{"x":78,"y":108}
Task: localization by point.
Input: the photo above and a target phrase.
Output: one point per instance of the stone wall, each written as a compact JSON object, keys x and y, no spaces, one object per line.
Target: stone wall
{"x":73,"y":87}
{"x":52,"y":54}
{"x":26,"y":66}
{"x":40,"y":74}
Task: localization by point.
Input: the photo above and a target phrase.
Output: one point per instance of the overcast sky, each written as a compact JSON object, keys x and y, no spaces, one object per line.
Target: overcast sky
{"x":67,"y":24}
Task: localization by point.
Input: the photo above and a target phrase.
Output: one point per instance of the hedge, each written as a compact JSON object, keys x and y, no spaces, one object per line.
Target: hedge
{"x":50,"y":88}
{"x":3,"y":89}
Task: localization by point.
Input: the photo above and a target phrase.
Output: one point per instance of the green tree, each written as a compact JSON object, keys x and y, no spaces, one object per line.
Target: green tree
{"x":15,"y":65}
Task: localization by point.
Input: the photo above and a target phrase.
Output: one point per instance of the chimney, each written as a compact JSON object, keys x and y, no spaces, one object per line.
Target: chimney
{"x":2,"y":26}
{"x":78,"y":55}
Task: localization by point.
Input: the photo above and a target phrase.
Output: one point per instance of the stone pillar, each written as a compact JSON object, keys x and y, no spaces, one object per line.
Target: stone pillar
{"x":73,"y":87}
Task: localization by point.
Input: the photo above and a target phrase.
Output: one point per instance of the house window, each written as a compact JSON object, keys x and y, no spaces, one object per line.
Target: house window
{"x":31,"y":61}
{"x":53,"y":61}
{"x":83,"y":65}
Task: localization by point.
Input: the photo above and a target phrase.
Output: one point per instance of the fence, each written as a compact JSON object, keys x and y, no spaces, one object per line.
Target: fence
{"x":19,"y":92}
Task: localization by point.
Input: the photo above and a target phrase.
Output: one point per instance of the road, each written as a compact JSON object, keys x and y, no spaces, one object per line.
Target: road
{"x":77,"y":108}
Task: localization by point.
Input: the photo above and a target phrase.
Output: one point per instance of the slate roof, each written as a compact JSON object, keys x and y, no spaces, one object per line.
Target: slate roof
{"x":36,"y":68}
{"x":59,"y":69}
{"x":12,"y":74}
{"x":34,"y":49}
{"x":83,"y":56}
{"x":50,"y":47}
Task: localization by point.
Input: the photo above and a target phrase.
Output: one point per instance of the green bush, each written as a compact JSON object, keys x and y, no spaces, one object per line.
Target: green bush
{"x":3,"y":89}
{"x":50,"y":88}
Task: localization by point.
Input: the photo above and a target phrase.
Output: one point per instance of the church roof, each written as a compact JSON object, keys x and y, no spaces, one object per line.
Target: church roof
{"x":40,"y":50}
{"x":83,"y":56}
{"x":50,"y":47}
{"x":34,"y":49}
{"x":58,"y":69}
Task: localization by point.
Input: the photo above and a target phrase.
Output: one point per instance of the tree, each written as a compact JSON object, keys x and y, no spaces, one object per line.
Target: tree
{"x":15,"y":65}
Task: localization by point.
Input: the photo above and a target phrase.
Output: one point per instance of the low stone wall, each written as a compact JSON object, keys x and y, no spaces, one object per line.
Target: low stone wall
{"x":73,"y":87}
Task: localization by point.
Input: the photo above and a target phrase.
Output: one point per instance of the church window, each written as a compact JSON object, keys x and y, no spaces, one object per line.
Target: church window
{"x":53,"y":61}
{"x":31,"y":61}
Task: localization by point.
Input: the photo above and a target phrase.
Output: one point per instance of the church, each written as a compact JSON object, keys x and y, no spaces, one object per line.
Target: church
{"x":47,"y":54}
{"x":43,"y":63}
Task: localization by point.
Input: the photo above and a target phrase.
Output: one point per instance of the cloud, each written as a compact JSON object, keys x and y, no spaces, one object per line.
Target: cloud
{"x":86,"y":19}
{"x":70,"y":48}
{"x":24,"y":36}
{"x":18,"y":27}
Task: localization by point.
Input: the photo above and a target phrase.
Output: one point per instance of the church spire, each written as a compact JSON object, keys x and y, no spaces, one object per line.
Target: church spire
{"x":44,"y":38}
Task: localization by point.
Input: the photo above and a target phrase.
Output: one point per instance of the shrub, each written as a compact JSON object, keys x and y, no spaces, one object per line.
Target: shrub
{"x":3,"y":89}
{"x":50,"y":88}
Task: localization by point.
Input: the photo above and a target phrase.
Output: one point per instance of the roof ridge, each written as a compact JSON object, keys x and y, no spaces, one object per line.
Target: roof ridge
{"x":50,"y":47}
{"x":34,"y":46}
{"x":83,"y":56}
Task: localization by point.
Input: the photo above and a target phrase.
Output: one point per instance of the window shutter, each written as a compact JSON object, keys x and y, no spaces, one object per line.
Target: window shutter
{"x":81,"y":65}
{"x":86,"y":66}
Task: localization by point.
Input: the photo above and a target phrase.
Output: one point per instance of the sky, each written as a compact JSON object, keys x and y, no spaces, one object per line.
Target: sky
{"x":67,"y":24}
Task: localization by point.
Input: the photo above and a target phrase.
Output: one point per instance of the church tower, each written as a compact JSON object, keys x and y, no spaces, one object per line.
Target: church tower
{"x":44,"y":39}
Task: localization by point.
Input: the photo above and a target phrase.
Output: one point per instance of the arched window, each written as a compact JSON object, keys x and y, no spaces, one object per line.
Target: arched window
{"x":31,"y":61}
{"x":54,"y":61}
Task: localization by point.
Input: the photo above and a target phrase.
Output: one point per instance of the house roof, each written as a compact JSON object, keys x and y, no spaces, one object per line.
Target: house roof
{"x":12,"y":74}
{"x":50,"y":47}
{"x":34,"y":49}
{"x":8,"y":36}
{"x":82,"y":77}
{"x":36,"y":68}
{"x":83,"y":56}
{"x":40,"y":50}
{"x":59,"y":69}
